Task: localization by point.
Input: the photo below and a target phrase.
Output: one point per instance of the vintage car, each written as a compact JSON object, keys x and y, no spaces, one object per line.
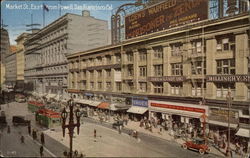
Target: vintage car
{"x":117,"y":124}
{"x":19,"y":120}
{"x":20,"y":98}
{"x":84,"y":114}
{"x":197,"y":144}
{"x":3,"y":121}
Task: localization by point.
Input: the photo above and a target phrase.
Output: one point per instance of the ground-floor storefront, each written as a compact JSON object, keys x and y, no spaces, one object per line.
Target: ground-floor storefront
{"x":175,"y":116}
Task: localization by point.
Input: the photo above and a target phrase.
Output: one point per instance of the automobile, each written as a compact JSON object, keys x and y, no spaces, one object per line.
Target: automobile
{"x":19,"y":120}
{"x":197,"y":144}
{"x":84,"y":113}
{"x":3,"y":122}
{"x":2,"y":113}
{"x":20,"y":98}
{"x":117,"y":123}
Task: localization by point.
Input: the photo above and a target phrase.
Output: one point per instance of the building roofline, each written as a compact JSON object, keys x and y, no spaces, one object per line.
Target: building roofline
{"x":163,"y":33}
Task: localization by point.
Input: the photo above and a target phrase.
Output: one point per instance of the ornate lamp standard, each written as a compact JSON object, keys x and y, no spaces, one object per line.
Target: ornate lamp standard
{"x":71,"y":125}
{"x":229,"y":104}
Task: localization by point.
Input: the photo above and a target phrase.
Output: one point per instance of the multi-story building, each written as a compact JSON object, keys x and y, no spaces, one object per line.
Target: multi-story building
{"x":179,"y":74}
{"x":11,"y":68}
{"x":14,"y":62}
{"x":4,"y":49}
{"x":20,"y":61}
{"x":45,"y":61}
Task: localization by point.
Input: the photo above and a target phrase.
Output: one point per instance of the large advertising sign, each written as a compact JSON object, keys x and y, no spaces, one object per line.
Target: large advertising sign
{"x":170,"y":13}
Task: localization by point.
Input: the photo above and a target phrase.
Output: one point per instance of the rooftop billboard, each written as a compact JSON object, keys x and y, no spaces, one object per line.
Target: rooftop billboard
{"x":168,"y":14}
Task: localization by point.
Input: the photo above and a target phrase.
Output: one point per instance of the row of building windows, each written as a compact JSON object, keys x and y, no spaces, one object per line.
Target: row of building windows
{"x":176,"y":88}
{"x":223,"y":67}
{"x":54,"y":34}
{"x":106,"y":60}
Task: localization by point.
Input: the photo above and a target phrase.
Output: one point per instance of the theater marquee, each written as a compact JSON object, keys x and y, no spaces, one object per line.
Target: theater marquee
{"x":165,"y":15}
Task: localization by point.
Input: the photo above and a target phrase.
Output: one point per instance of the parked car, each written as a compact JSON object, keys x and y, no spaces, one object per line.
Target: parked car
{"x":2,"y":113}
{"x":84,"y":113}
{"x":20,"y":98}
{"x":117,"y":123}
{"x":19,"y":120}
{"x":3,"y":122}
{"x":197,"y":144}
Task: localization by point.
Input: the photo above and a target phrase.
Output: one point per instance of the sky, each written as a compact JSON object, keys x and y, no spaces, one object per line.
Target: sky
{"x":17,"y":14}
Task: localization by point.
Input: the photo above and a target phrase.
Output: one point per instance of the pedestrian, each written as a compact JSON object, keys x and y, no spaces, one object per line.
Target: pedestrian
{"x":42,"y":138}
{"x":81,"y":155}
{"x":120,"y":129}
{"x":29,"y":129}
{"x":22,"y":139}
{"x":8,"y":130}
{"x":94,"y":133}
{"x":33,"y":134}
{"x":65,"y":153}
{"x":41,"y":151}
{"x":75,"y":153}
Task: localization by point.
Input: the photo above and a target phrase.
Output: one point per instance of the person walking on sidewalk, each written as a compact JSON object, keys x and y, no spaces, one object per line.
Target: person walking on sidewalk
{"x":42,"y":139}
{"x":41,"y":151}
{"x":22,"y":139}
{"x":35,"y":134}
{"x":8,"y":130}
{"x":120,"y":129}
{"x":29,"y":129}
{"x":94,"y":133}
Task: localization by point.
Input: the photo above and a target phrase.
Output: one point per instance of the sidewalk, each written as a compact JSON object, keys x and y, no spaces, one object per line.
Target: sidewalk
{"x":156,"y":132}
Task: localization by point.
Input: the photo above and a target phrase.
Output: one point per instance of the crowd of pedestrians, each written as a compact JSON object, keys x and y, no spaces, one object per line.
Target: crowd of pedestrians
{"x":219,"y":140}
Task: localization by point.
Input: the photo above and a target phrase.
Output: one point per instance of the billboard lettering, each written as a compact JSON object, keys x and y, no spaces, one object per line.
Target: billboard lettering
{"x":165,"y":15}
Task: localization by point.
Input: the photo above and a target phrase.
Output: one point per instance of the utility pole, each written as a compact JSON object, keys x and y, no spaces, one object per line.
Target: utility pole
{"x":229,"y":103}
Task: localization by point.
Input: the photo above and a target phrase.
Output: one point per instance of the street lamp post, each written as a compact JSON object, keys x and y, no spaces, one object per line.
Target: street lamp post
{"x":71,"y":125}
{"x":229,"y":102}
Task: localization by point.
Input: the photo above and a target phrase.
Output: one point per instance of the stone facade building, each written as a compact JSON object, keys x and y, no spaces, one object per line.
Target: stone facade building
{"x":20,"y":61}
{"x":4,"y":49}
{"x":45,"y":61}
{"x":179,"y":73}
{"x":10,"y":70}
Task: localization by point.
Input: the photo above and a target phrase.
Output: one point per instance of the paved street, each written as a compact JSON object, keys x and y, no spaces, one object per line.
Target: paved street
{"x":108,"y":142}
{"x":10,"y":144}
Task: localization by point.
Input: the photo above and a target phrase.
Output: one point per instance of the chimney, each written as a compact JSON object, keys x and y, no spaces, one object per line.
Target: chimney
{"x":85,"y":13}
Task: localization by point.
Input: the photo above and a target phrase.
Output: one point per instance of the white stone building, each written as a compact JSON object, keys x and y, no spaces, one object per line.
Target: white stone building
{"x":45,"y":61}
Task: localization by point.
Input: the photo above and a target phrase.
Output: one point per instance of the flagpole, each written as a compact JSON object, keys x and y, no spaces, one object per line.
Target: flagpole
{"x":60,"y":8}
{"x":43,"y":16}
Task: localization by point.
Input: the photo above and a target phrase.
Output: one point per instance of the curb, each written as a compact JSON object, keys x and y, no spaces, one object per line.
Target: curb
{"x":146,"y":134}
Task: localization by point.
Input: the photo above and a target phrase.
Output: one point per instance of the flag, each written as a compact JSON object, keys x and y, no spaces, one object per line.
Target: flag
{"x":45,"y":7}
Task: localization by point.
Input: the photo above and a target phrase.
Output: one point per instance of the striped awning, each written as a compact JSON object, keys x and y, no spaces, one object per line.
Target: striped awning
{"x":243,"y":132}
{"x":104,"y":105}
{"x":94,"y":103}
{"x":137,"y":110}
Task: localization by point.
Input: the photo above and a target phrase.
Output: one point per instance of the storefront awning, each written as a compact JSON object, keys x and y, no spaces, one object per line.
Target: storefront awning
{"x":41,"y":94}
{"x":50,"y":96}
{"x":82,"y":101}
{"x":225,"y":124}
{"x":182,"y":109}
{"x":94,"y":103}
{"x":115,"y":107}
{"x":243,"y":133}
{"x":58,"y":97}
{"x":104,"y":105}
{"x":137,"y":110}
